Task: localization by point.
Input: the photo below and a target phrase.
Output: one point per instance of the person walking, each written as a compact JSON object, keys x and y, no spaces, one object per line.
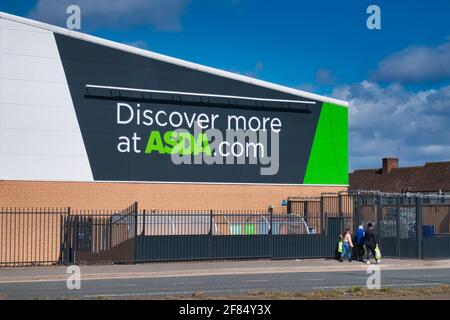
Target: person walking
{"x":347,"y":245}
{"x":370,"y":243}
{"x":359,"y":240}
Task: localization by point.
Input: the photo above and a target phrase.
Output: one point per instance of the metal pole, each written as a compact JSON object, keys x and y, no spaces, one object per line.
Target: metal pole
{"x":379,"y":212}
{"x":398,"y":221}
{"x":271,"y":219}
{"x":135,"y":231}
{"x":322,"y":222}
{"x":143,"y":222}
{"x":75,"y":240}
{"x":357,"y":211}
{"x":211,"y":239}
{"x":135,"y":219}
{"x":64,"y":229}
{"x":419,"y":227}
{"x":69,"y":237}
{"x":305,"y":211}
{"x":271,"y":232}
{"x":110,"y":233}
{"x":211,"y":222}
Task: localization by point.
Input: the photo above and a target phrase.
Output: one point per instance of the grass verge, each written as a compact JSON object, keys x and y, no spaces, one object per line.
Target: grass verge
{"x":436,"y":292}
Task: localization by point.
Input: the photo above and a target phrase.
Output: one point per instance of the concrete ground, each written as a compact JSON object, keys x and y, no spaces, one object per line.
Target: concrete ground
{"x":168,"y":280}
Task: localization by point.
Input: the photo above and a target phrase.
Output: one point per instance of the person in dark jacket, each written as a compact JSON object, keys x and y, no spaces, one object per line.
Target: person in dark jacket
{"x":370,"y":243}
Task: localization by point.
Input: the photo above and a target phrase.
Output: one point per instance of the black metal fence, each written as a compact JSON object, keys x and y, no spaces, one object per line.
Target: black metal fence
{"x":31,"y":236}
{"x":208,"y":235}
{"x":48,"y":236}
{"x":406,"y":226}
{"x":100,"y":236}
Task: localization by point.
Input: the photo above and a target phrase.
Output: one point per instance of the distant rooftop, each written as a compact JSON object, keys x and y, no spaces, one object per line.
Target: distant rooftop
{"x":432,"y":177}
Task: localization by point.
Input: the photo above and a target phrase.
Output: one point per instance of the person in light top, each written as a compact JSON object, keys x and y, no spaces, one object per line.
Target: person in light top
{"x":347,"y":245}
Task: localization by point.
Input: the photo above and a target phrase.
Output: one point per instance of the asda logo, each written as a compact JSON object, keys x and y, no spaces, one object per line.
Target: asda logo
{"x":183,"y":143}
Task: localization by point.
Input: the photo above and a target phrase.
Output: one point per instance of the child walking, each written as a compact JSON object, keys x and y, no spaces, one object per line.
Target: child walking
{"x":347,"y":246}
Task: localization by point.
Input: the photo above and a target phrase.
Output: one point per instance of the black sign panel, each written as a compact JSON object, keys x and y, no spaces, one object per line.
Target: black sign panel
{"x":127,"y":131}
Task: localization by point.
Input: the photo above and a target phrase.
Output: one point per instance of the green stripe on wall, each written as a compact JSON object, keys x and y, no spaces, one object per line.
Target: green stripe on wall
{"x":328,"y":159}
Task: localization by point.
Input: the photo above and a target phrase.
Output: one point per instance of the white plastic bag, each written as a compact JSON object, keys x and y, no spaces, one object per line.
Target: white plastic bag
{"x":377,"y":254}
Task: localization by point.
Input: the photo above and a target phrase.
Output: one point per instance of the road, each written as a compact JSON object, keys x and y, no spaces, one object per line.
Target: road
{"x":162,"y":281}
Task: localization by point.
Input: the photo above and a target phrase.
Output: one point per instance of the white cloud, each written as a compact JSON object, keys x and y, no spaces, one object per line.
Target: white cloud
{"x":114,"y":14}
{"x":325,"y":77}
{"x":435,"y":149}
{"x":382,"y":120}
{"x":415,"y":64}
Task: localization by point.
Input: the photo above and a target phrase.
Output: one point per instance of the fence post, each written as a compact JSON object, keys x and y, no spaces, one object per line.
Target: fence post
{"x":143,"y":223}
{"x":110,"y":233}
{"x":62,"y":231}
{"x":74,"y":236}
{"x":419,"y":214}
{"x":340,"y":205}
{"x":64,"y":236}
{"x":69,"y":237}
{"x":379,"y":211}
{"x":210,"y":233}
{"x":135,"y":208}
{"x":322,"y":222}
{"x":271,"y":232}
{"x":305,"y":211}
{"x":153,"y":212}
{"x":271,"y":219}
{"x":210,"y":222}
{"x":398,"y":221}
{"x":69,"y":240}
{"x":289,"y":206}
{"x":356,"y":210}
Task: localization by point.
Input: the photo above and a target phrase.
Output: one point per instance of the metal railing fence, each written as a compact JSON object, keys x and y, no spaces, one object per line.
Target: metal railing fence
{"x":406,"y":226}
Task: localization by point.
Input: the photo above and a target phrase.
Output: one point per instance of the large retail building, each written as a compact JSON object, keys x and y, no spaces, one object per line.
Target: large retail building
{"x":90,"y":123}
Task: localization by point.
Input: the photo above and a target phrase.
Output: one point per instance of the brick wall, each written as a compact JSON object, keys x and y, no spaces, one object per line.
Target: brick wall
{"x":29,"y":237}
{"x":113,"y":196}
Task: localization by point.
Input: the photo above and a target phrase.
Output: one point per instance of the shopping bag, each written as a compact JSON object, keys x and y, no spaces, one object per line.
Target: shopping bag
{"x":377,"y":253}
{"x":340,"y":246}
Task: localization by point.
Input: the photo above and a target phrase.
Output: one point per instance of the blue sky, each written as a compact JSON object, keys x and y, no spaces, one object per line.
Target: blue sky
{"x":397,"y":79}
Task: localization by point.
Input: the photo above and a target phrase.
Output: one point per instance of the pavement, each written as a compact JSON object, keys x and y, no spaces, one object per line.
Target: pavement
{"x":162,"y":280}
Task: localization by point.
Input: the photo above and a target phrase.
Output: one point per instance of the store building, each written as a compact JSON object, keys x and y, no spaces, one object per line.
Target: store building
{"x":90,"y":123}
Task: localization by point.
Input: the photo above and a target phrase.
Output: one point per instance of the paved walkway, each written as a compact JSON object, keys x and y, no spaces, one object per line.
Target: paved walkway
{"x":186,"y":269}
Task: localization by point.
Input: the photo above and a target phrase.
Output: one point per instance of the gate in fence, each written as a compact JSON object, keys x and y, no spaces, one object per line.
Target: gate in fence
{"x":99,"y":236}
{"x":406,"y":226}
{"x":394,"y":219}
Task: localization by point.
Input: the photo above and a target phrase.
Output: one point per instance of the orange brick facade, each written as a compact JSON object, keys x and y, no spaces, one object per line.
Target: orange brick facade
{"x":114,"y":196}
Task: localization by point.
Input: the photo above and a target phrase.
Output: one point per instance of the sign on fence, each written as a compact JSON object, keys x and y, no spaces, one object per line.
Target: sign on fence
{"x":250,"y":228}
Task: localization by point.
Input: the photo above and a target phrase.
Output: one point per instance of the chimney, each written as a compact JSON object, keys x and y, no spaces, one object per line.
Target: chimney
{"x":389,"y":164}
